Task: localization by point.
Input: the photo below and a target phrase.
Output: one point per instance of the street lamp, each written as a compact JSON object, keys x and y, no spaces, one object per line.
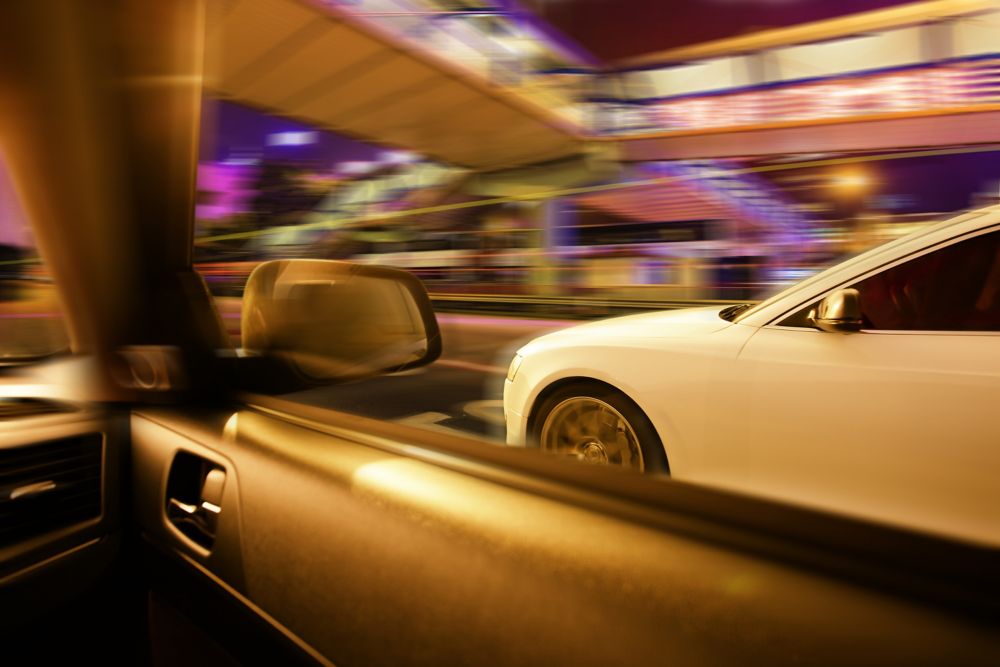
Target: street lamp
{"x":851,"y":186}
{"x":851,"y":182}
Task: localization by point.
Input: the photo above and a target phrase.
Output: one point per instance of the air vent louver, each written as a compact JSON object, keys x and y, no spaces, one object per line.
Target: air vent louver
{"x":49,"y":485}
{"x":21,"y":408}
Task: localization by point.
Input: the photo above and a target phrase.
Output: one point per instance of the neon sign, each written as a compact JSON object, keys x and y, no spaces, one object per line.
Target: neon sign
{"x":955,"y":85}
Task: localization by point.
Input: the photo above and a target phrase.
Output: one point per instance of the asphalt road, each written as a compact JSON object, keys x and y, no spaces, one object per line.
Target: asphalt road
{"x":461,"y":392}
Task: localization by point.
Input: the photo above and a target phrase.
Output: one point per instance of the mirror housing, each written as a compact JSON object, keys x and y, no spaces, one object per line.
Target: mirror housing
{"x":325,"y":321}
{"x":838,"y":312}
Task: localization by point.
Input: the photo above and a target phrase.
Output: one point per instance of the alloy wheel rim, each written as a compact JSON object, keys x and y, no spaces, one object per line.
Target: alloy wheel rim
{"x":592,"y":431}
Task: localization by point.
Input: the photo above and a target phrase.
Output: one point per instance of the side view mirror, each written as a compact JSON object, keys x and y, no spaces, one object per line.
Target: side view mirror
{"x":326,"y":321}
{"x":839,"y":312}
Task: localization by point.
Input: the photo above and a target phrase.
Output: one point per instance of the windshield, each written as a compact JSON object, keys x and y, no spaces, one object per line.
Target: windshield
{"x":732,"y":312}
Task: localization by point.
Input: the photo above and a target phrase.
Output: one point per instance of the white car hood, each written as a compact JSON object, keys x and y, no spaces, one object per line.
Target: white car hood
{"x":660,"y":324}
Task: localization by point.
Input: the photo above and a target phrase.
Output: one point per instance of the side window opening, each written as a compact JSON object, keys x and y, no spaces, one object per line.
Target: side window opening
{"x":951,"y":289}
{"x":31,"y":321}
{"x":955,"y":288}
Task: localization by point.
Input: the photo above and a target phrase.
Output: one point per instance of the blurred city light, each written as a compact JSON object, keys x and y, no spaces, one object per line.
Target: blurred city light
{"x":478,"y":146}
{"x":851,"y":181}
{"x":292,"y":138}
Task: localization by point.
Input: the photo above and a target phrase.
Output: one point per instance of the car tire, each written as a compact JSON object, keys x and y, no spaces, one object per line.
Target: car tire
{"x":596,"y":423}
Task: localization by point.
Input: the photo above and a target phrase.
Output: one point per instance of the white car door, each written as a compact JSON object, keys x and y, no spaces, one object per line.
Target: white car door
{"x":900,"y":421}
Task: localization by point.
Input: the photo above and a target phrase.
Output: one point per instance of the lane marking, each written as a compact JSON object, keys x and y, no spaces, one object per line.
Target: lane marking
{"x":472,"y":366}
{"x":489,"y":410}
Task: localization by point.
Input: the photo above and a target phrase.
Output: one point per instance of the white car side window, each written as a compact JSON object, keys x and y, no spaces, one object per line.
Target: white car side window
{"x":955,"y":288}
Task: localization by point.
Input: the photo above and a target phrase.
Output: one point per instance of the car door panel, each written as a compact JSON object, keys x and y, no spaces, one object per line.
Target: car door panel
{"x":369,"y":549}
{"x":894,"y":425}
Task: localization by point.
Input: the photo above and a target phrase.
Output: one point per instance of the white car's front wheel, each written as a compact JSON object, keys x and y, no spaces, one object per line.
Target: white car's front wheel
{"x":598,"y":424}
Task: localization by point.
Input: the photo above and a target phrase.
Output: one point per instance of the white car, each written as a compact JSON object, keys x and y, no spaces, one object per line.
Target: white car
{"x":872,"y":388}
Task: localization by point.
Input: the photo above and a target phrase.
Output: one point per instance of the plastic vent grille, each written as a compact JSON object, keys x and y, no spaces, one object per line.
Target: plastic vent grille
{"x":50,"y":485}
{"x":20,"y":408}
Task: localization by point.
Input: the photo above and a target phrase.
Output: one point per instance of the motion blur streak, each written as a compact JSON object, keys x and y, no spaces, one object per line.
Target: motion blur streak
{"x":603,"y":187}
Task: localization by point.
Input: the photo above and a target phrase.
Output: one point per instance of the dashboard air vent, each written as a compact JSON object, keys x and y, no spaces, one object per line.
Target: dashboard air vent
{"x":20,"y":408}
{"x":49,"y":485}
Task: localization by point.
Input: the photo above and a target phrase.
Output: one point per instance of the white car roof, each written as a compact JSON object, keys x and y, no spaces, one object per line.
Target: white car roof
{"x":812,"y":288}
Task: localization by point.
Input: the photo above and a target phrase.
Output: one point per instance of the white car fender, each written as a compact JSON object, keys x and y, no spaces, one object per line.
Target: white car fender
{"x":650,"y":394}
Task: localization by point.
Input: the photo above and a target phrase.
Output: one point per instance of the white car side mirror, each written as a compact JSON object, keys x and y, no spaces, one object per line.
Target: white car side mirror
{"x":838,"y":312}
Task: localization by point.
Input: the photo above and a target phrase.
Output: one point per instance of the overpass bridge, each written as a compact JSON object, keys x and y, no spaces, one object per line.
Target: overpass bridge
{"x":666,"y":138}
{"x":925,"y":74}
{"x":416,"y":75}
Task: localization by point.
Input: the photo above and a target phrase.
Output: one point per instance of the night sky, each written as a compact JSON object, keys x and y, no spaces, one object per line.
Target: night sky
{"x":612,"y":29}
{"x":234,"y":132}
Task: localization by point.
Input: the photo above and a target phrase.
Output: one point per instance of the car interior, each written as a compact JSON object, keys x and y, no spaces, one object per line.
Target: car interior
{"x":161,"y":505}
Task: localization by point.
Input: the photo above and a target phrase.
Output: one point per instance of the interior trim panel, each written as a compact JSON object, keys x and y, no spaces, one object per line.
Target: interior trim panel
{"x":374,"y":556}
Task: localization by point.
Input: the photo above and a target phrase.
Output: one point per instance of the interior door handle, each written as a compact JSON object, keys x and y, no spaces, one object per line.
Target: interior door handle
{"x":194,"y":521}
{"x":211,"y":490}
{"x":181,"y":510}
{"x":184,"y":510}
{"x":194,"y":498}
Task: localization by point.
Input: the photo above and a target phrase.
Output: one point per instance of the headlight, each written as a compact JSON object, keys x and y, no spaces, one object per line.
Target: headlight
{"x":514,"y":365}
